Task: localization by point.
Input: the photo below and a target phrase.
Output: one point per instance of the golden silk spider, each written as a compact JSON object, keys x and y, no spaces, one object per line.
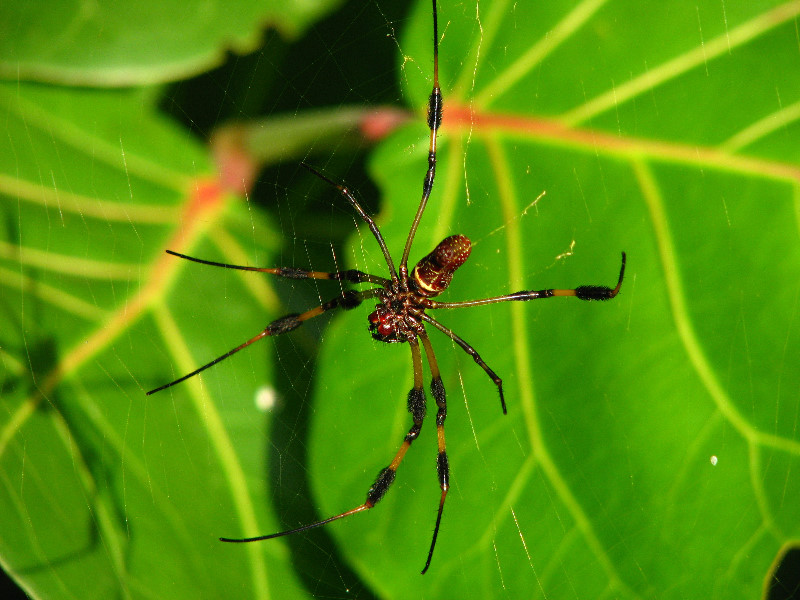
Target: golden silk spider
{"x":400,"y":315}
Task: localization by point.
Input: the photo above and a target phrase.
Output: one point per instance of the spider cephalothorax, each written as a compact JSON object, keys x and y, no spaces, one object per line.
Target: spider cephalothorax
{"x":401,"y":316}
{"x":397,"y":317}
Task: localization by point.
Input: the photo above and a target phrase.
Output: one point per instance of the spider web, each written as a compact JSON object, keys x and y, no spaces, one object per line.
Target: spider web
{"x":644,"y":436}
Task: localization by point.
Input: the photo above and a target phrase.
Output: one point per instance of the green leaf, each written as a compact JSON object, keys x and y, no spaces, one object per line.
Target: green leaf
{"x":132,"y":43}
{"x":651,"y":447}
{"x":107,"y":492}
{"x":651,"y":444}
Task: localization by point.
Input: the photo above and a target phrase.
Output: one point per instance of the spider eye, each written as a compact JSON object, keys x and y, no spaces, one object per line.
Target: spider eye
{"x":385,"y":329}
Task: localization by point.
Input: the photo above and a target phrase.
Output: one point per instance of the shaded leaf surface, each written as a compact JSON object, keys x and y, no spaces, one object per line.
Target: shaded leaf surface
{"x":97,"y":477}
{"x":651,"y":444}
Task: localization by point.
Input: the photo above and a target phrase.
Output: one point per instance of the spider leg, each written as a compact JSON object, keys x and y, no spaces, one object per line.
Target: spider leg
{"x":442,"y":464}
{"x":473,"y":353}
{"x":385,"y":478}
{"x":351,"y":276}
{"x":583,"y":292}
{"x":435,"y":103}
{"x":373,"y":227}
{"x":349,"y":299}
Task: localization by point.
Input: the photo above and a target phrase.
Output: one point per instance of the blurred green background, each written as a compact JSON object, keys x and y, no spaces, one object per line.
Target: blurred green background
{"x":651,"y":446}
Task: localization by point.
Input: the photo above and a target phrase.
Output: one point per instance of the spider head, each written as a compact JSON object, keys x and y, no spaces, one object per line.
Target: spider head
{"x":384,"y":326}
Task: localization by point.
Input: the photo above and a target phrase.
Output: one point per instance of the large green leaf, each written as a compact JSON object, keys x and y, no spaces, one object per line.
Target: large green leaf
{"x":128,"y":43}
{"x":651,"y":447}
{"x":106,"y":492}
{"x":665,"y":131}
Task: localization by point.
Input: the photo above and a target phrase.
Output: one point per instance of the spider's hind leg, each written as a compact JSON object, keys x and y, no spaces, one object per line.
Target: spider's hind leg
{"x":442,"y":464}
{"x":416,"y":406}
{"x":498,"y":382}
{"x":386,"y":476}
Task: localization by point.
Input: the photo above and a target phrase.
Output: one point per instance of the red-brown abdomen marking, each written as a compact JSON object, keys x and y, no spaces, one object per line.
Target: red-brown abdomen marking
{"x":434,"y":273}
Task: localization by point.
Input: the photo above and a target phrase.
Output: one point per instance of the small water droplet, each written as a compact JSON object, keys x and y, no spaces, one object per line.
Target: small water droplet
{"x":266,"y":398}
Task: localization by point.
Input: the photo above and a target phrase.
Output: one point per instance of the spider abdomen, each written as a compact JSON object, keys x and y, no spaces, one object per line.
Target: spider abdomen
{"x":435,"y":271}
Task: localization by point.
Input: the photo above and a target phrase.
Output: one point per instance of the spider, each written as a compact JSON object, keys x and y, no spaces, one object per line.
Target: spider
{"x":401,"y":315}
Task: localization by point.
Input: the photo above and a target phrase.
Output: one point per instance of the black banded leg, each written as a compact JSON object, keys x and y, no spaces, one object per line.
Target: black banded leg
{"x":416,"y":406}
{"x":474,"y":354}
{"x":386,"y":476}
{"x":600,"y":292}
{"x":442,"y":464}
{"x":349,"y":299}
{"x":582,"y":292}
{"x":373,"y":227}
{"x":435,"y":104}
{"x":351,"y":276}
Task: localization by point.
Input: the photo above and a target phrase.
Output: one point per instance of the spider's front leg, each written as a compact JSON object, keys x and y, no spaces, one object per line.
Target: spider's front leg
{"x":348,"y":300}
{"x":351,"y":275}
